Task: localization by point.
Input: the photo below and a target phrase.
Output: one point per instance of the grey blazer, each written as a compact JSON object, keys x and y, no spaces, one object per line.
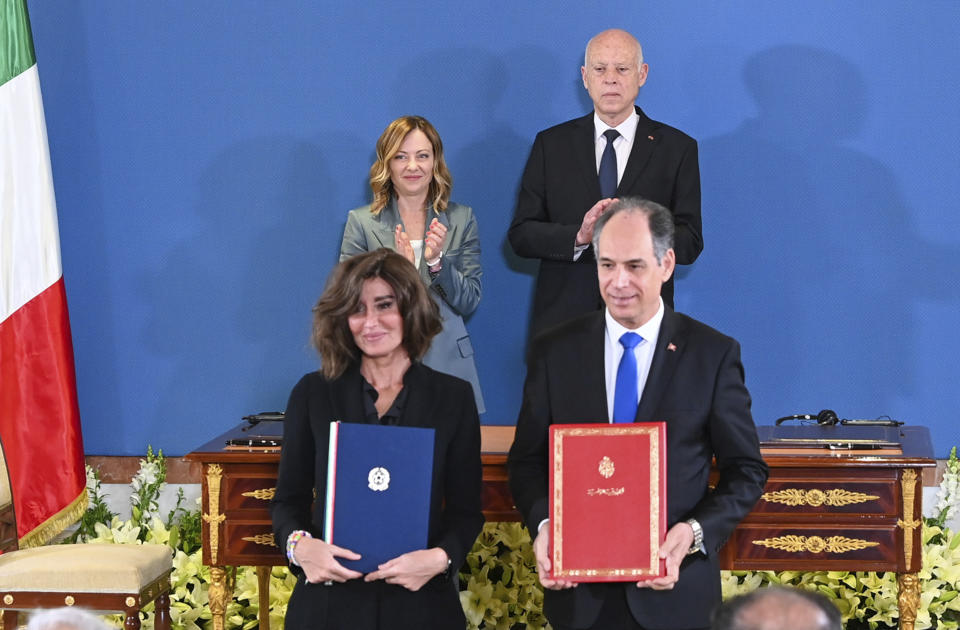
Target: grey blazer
{"x":456,"y":289}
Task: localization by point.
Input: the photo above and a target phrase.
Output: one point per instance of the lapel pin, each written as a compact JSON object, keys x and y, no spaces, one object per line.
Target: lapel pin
{"x":671,"y":347}
{"x":649,"y":137}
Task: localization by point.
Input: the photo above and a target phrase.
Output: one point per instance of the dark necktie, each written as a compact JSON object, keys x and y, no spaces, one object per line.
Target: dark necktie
{"x":608,"y":166}
{"x":625,"y":391}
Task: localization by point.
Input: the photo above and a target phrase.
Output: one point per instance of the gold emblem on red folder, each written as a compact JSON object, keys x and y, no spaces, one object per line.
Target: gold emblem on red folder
{"x":606,"y":467}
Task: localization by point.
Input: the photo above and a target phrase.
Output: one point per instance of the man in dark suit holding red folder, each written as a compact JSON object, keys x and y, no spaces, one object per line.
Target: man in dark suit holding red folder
{"x":690,"y":377}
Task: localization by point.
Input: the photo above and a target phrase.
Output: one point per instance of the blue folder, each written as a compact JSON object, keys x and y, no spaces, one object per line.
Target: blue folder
{"x":378,"y":491}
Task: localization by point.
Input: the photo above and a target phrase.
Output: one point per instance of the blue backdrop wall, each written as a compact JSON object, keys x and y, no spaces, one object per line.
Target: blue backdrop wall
{"x":205,"y":156}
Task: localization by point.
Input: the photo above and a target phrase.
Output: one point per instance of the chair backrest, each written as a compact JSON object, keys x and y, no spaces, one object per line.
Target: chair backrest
{"x":8,"y":521}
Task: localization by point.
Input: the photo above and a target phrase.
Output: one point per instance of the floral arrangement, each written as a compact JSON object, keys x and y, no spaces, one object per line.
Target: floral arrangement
{"x":498,"y":583}
{"x":180,"y":530}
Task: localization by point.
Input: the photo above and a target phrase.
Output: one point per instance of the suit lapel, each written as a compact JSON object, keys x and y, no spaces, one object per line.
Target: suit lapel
{"x":589,"y":363}
{"x":383,"y":226}
{"x":666,"y":356}
{"x":644,"y":143}
{"x":584,"y":148}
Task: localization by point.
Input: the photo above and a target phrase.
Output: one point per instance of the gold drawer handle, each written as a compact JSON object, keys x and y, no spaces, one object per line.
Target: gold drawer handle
{"x":260,"y":539}
{"x":264,"y":494}
{"x":815,"y":544}
{"x":815,"y":498}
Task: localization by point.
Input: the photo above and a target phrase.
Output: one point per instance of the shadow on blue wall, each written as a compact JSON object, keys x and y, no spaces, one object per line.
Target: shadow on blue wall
{"x":830,"y":309}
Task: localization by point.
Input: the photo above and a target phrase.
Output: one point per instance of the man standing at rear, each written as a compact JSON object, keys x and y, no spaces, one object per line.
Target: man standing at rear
{"x":576,"y":168}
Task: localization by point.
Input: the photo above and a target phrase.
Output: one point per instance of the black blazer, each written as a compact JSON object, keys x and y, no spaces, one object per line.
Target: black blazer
{"x":560,"y":184}
{"x":696,"y":386}
{"x":436,"y":400}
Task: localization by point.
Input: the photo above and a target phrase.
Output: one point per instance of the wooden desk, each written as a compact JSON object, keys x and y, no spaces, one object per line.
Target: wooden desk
{"x":847,"y":511}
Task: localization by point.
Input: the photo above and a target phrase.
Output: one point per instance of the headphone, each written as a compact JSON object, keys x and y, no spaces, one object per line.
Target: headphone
{"x":829,"y":418}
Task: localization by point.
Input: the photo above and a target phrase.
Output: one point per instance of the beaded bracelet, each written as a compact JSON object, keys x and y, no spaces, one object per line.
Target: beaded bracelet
{"x":292,"y":541}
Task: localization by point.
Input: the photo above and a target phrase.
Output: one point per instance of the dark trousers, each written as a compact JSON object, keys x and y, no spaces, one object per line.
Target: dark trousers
{"x":614,"y":615}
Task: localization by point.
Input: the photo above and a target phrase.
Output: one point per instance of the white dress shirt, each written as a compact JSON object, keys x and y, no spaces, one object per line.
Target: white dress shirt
{"x":613,"y":352}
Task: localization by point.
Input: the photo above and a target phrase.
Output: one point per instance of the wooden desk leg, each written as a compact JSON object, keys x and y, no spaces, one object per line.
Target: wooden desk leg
{"x":263,"y":592}
{"x":219,"y":594}
{"x":909,"y":599}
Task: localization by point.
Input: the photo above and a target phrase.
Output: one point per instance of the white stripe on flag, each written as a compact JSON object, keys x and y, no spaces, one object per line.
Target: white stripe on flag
{"x":29,"y":238}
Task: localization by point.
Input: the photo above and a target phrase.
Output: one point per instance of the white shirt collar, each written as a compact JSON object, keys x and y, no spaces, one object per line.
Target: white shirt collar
{"x":627,"y":129}
{"x":650,"y":331}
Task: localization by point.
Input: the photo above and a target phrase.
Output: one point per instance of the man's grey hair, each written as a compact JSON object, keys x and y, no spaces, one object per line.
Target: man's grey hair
{"x":586,"y":51}
{"x":659,"y":219}
{"x":776,"y":607}
{"x":66,"y":619}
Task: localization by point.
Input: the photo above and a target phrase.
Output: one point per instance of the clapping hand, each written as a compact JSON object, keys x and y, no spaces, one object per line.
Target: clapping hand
{"x":585,"y":233}
{"x":402,"y":243}
{"x":434,"y":241}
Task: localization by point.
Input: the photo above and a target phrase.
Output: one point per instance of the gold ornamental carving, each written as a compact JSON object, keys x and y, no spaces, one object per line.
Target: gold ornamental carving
{"x":815,"y":544}
{"x":219,"y":593}
{"x":261,"y":539}
{"x":8,"y":599}
{"x":835,"y":497}
{"x":213,"y":518}
{"x":908,"y":600}
{"x":908,"y":487}
{"x":69,"y":600}
{"x":264,"y":494}
{"x":130,"y":602}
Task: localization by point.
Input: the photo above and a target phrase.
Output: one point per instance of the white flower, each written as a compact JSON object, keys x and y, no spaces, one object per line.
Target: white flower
{"x":949,"y":493}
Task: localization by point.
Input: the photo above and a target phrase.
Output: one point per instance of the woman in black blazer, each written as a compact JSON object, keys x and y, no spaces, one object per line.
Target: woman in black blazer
{"x":371,"y":326}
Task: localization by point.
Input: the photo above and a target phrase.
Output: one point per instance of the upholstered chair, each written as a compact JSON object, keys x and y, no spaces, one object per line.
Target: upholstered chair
{"x":105,"y":578}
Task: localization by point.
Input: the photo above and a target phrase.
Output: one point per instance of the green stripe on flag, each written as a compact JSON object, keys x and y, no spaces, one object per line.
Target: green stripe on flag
{"x":16,"y":42}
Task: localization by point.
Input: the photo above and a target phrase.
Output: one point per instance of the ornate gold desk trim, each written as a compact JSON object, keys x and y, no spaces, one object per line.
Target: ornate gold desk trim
{"x":213,"y":518}
{"x":815,"y":544}
{"x":264,"y":494}
{"x":261,"y":539}
{"x":908,"y":487}
{"x":908,"y":600}
{"x":835,"y":497}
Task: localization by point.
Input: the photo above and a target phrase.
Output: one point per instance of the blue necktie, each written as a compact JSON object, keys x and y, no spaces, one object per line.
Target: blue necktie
{"x":608,"y":166}
{"x":625,"y":392}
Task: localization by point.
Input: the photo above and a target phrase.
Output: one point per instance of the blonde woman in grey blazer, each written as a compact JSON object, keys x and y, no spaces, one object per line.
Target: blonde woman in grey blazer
{"x":412,"y":214}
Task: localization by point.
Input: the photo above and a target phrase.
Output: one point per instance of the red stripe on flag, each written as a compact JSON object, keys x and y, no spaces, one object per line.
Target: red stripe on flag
{"x":39,"y":417}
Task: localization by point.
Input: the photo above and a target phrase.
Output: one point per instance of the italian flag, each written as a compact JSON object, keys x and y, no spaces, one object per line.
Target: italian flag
{"x":39,"y":418}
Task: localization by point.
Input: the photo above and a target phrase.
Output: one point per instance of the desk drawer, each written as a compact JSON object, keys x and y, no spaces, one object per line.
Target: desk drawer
{"x":872,"y":497}
{"x":823,"y":546}
{"x":248,"y":493}
{"x":251,"y":543}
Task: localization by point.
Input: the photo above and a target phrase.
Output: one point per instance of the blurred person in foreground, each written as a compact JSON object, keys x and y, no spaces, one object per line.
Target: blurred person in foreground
{"x":412,"y":214}
{"x":371,"y":326}
{"x":778,"y":608}
{"x":67,"y":618}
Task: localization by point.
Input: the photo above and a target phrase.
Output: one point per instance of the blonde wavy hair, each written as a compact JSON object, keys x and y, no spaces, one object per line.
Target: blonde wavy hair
{"x":389,"y":144}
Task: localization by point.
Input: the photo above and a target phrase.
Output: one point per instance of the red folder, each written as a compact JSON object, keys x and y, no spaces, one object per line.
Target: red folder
{"x":607,"y":501}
